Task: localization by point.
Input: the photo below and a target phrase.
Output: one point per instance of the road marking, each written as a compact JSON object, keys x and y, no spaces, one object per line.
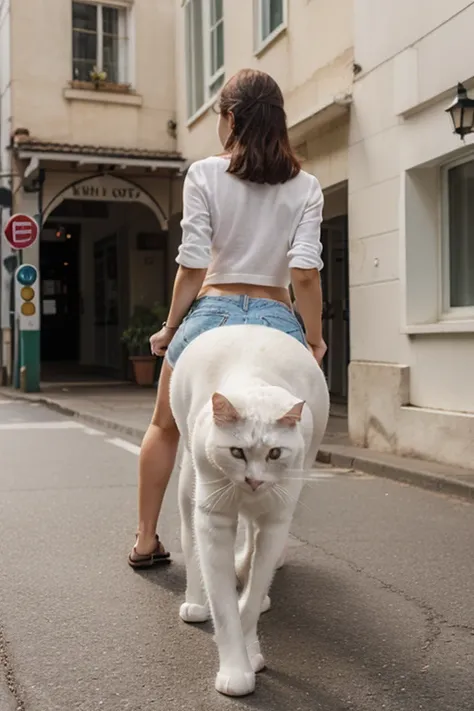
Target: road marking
{"x":61,"y":425}
{"x":123,"y":444}
{"x":7,"y":402}
{"x":92,"y":432}
{"x":314,"y":477}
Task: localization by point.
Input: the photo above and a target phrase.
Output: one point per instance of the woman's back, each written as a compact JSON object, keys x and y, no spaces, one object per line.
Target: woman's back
{"x":253,"y":233}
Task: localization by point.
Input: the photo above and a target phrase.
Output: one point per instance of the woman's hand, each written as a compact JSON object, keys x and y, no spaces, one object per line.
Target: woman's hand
{"x":318,"y":350}
{"x":160,"y":341}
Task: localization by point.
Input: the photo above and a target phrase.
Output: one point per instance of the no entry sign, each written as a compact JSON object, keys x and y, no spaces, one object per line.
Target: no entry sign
{"x":21,"y":231}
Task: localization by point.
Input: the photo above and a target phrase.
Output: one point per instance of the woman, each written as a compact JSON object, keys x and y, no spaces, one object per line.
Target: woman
{"x":251,"y":224}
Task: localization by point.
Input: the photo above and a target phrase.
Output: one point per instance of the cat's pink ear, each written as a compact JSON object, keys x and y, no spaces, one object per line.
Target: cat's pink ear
{"x":223,"y":410}
{"x":293,"y":416}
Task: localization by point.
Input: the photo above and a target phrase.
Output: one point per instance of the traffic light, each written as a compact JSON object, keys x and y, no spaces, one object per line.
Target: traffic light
{"x":27,"y":297}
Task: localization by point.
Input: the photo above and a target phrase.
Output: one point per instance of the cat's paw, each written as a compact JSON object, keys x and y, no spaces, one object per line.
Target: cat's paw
{"x":266,"y":604}
{"x":190,"y":612}
{"x":257,"y":662}
{"x":235,"y":683}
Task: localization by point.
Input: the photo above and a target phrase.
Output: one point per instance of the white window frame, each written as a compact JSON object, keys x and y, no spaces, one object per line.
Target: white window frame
{"x":446,"y":311}
{"x":208,"y":78}
{"x":213,"y":28}
{"x":261,"y":41}
{"x":126,"y":59}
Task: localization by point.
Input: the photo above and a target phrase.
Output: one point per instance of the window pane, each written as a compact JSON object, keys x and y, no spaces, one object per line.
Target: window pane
{"x":82,"y":68}
{"x":111,"y":58}
{"x":216,"y":11}
{"x":115,"y":44}
{"x":276,"y":14}
{"x":84,"y":40}
{"x":220,"y":45}
{"x":110,"y":20}
{"x":272,"y":16}
{"x":189,"y":63}
{"x":217,"y":48}
{"x":84,"y":16}
{"x":194,"y":55}
{"x":216,"y":85}
{"x":461,"y":235}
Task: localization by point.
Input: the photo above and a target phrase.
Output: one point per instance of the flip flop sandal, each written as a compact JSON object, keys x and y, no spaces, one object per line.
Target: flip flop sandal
{"x":148,"y":560}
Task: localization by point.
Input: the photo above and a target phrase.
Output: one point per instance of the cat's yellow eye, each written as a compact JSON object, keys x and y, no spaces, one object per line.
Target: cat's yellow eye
{"x":237,"y":453}
{"x":274,"y":453}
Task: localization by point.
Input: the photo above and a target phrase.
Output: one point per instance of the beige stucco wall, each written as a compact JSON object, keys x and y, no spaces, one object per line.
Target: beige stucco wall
{"x":311,"y":60}
{"x":327,"y":155}
{"x":400,"y":136}
{"x":41,"y":43}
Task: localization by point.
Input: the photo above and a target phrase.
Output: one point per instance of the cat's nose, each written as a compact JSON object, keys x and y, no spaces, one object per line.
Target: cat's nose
{"x":253,"y":483}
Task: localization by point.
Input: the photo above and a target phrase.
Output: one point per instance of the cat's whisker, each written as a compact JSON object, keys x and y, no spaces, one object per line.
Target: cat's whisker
{"x":214,"y":481}
{"x":221,"y":502}
{"x":218,"y":491}
{"x":222,"y":498}
{"x":278,"y":494}
{"x":288,"y":496}
{"x":214,"y":494}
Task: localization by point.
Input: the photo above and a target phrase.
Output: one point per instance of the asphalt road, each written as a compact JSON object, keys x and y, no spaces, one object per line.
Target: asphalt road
{"x":374,"y":609}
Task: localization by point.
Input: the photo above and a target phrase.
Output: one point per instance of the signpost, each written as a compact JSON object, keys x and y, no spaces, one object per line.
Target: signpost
{"x":27,"y":313}
{"x":22,"y":231}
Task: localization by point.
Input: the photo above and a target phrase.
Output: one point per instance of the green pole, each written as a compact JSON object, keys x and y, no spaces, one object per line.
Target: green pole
{"x":27,"y":374}
{"x":30,"y":360}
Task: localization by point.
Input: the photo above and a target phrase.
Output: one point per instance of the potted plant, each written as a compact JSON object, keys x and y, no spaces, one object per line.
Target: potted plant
{"x":143,"y":323}
{"x":98,"y":77}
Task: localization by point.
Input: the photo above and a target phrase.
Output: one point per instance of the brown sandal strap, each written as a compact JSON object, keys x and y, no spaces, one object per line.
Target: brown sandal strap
{"x":147,"y":559}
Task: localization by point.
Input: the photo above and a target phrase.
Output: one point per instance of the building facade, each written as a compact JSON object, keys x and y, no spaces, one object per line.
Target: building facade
{"x":101,"y":113}
{"x":88,"y":147}
{"x":411,"y":198}
{"x":306,"y":45}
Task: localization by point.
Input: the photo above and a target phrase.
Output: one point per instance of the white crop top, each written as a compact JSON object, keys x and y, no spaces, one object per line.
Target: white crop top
{"x":248,"y":233}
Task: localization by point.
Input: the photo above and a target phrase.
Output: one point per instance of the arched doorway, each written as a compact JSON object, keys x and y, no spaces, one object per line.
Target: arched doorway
{"x":99,"y":258}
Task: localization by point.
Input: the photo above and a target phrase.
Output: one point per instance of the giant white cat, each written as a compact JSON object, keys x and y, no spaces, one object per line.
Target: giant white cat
{"x":252,"y":405}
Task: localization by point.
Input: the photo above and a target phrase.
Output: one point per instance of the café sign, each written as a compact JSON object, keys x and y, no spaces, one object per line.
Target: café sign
{"x":107,"y":188}
{"x":91,"y":191}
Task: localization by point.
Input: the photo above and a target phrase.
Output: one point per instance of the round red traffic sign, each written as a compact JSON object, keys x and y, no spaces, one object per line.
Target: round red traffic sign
{"x":21,"y":231}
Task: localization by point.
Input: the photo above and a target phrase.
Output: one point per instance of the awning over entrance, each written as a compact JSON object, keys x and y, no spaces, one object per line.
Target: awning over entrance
{"x":40,"y":151}
{"x":319,"y":117}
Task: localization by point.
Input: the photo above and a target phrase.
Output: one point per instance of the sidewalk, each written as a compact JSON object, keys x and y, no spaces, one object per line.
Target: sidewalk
{"x":127,"y":409}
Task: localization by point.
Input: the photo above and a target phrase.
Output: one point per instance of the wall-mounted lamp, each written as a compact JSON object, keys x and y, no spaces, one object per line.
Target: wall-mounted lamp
{"x":462,"y":112}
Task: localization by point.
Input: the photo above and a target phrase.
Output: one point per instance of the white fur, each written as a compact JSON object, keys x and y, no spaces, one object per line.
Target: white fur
{"x":263,"y":374}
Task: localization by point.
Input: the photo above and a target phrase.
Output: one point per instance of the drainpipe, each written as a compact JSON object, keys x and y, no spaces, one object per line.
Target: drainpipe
{"x":41,"y":179}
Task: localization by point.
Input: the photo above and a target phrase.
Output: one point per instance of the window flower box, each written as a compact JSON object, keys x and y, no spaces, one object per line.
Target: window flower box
{"x":100,"y":85}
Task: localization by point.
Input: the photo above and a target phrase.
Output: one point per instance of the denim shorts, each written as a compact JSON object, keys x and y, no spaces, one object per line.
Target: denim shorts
{"x":215,"y":311}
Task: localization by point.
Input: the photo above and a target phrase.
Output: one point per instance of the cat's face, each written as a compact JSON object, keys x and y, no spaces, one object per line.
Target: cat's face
{"x":258,"y":449}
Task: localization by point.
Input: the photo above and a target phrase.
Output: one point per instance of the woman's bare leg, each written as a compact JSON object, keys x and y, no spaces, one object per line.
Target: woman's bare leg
{"x":157,"y":457}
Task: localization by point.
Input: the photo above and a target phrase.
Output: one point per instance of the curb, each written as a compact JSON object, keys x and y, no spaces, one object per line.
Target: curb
{"x":406,"y":471}
{"x":68,"y":412}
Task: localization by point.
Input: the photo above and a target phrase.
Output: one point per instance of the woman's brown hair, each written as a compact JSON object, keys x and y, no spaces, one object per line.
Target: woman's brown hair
{"x":259,"y":145}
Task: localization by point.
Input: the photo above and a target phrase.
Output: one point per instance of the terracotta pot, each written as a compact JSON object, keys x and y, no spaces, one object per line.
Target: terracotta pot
{"x":144,"y":368}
